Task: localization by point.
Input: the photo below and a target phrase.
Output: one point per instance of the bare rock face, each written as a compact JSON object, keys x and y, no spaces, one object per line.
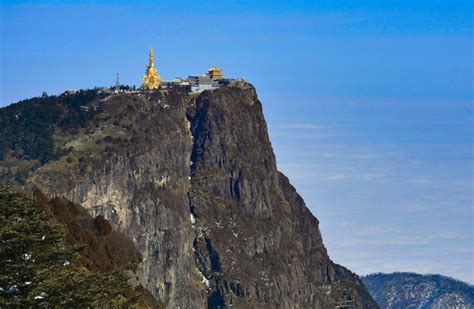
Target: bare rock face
{"x":192,"y":180}
{"x":256,"y":241}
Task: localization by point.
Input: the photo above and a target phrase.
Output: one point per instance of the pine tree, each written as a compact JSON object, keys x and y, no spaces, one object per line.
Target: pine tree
{"x":37,"y":268}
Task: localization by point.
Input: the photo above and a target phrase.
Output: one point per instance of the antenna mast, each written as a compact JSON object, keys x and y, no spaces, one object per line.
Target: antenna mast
{"x":117,"y":83}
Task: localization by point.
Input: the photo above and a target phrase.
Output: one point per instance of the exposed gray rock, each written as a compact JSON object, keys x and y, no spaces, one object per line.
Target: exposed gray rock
{"x":192,"y":179}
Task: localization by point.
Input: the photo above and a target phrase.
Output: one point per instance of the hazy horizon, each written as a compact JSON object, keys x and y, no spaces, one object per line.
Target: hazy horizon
{"x":369,"y":106}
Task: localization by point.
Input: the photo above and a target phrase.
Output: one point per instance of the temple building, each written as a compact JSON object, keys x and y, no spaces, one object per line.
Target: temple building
{"x":215,"y":73}
{"x":201,"y":83}
{"x":211,"y":80}
{"x":151,"y":79}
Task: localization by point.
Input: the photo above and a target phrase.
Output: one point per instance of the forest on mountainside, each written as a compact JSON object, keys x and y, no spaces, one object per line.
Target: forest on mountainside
{"x":27,"y":127}
{"x":52,"y":253}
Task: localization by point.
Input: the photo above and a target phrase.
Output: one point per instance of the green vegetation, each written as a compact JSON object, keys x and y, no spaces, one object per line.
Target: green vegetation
{"x":27,"y":127}
{"x":37,"y":269}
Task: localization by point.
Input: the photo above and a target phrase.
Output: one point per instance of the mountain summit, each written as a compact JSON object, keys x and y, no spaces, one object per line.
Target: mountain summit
{"x":409,"y":290}
{"x":192,"y":179}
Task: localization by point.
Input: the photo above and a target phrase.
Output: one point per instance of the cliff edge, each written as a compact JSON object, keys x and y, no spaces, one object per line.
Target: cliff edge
{"x":192,"y":180}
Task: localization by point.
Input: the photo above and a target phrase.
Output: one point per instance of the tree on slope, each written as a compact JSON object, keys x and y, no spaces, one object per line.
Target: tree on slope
{"x":37,"y":268}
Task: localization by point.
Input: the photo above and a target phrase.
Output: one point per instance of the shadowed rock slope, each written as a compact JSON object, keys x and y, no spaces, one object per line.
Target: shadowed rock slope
{"x":192,"y":179}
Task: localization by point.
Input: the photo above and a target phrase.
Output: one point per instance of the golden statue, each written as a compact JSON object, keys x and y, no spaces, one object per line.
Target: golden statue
{"x":151,"y":79}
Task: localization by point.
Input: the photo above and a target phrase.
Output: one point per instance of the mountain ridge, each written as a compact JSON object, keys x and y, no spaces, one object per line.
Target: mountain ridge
{"x":429,"y":291}
{"x":192,"y":180}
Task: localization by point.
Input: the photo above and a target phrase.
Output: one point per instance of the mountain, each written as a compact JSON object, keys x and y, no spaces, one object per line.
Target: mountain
{"x":409,"y":290}
{"x":192,"y":179}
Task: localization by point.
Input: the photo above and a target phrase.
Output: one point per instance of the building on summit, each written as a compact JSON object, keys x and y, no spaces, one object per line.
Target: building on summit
{"x":151,"y":79}
{"x":197,"y":83}
{"x":211,"y":80}
{"x":201,"y":83}
{"x":215,"y":73}
{"x":208,"y":81}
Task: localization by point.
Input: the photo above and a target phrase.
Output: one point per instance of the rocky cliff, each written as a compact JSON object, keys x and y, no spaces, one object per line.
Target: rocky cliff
{"x":192,"y":180}
{"x":409,"y":290}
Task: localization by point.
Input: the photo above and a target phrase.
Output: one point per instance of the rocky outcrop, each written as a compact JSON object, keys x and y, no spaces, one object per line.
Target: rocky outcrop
{"x":256,"y":241}
{"x":102,"y":249}
{"x":192,"y":179}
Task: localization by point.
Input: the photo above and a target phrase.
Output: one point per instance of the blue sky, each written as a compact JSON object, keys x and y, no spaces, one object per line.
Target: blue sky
{"x":368,"y":103}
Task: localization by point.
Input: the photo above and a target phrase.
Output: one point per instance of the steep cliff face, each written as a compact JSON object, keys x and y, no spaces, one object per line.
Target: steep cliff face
{"x":256,"y":241}
{"x":192,"y":179}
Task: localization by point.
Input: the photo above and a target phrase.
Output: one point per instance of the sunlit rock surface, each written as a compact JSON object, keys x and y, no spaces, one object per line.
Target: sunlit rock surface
{"x":192,"y":180}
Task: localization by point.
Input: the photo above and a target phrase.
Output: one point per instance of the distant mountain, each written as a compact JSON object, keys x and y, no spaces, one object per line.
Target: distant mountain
{"x":409,"y":290}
